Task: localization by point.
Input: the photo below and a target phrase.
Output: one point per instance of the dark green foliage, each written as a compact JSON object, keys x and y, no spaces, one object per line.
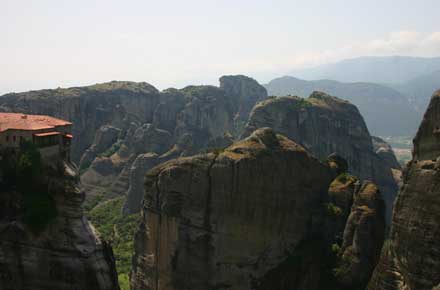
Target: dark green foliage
{"x":309,"y":257}
{"x":8,"y":169}
{"x":84,"y":167}
{"x":119,"y":230}
{"x":343,"y":266}
{"x":29,"y":167}
{"x":303,"y":103}
{"x":92,"y":202}
{"x":344,"y":177}
{"x":112,"y":150}
{"x":332,"y":210}
{"x":39,"y":209}
{"x":336,"y":249}
{"x":24,"y":171}
{"x":216,"y":151}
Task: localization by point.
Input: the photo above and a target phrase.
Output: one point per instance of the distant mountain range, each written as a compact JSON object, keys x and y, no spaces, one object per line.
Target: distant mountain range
{"x":391,"y":92}
{"x":384,"y":69}
{"x":420,"y":89}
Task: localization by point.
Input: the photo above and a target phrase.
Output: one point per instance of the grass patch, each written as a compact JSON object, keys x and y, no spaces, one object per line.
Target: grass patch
{"x":119,"y":230}
{"x":124,"y":281}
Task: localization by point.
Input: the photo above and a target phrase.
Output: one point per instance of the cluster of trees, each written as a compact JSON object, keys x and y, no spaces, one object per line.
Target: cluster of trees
{"x":23,"y":171}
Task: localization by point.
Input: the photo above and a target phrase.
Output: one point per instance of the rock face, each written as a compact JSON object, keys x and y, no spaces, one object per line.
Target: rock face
{"x":216,"y":221}
{"x":67,"y":254}
{"x":324,"y":125}
{"x":89,"y":108}
{"x":253,"y":216}
{"x":363,"y":237}
{"x":105,"y":137}
{"x":246,"y":92}
{"x":384,"y":151}
{"x":411,"y":259}
{"x":115,"y":122}
{"x":142,"y":164}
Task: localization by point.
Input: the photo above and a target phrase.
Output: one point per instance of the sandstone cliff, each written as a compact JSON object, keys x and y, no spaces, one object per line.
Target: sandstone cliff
{"x":46,"y":243}
{"x":324,"y":124}
{"x":115,"y":122}
{"x":257,"y":215}
{"x":411,"y":259}
{"x":89,"y":108}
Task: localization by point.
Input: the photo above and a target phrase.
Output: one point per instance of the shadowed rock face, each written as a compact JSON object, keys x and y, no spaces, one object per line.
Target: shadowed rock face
{"x":384,"y":151}
{"x":67,"y":254}
{"x":223,"y":221}
{"x":324,"y":125}
{"x":427,"y":140}
{"x":246,"y":92}
{"x":253,"y":216}
{"x":363,"y":237}
{"x":411,"y":261}
{"x":105,"y":137}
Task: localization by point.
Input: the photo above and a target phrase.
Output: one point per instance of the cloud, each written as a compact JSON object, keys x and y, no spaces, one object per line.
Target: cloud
{"x":407,"y":43}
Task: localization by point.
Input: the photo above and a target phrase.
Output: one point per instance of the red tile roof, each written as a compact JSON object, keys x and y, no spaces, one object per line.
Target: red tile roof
{"x":16,"y":121}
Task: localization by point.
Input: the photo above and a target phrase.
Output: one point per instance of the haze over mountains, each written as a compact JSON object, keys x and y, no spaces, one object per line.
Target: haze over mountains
{"x":391,"y":92}
{"x":374,"y":69}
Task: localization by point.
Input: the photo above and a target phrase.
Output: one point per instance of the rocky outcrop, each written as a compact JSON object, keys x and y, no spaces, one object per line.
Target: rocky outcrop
{"x":214,"y":221}
{"x":172,"y":102}
{"x":363,"y":238}
{"x":115,"y":122}
{"x":427,"y":140}
{"x":89,"y":108}
{"x":245,"y":92}
{"x":110,"y":174}
{"x":65,"y":254}
{"x":105,"y":137}
{"x":256,"y":215}
{"x":148,"y":138}
{"x":208,"y":114}
{"x":385,"y":152}
{"x":324,"y":125}
{"x":142,"y":164}
{"x":411,"y":259}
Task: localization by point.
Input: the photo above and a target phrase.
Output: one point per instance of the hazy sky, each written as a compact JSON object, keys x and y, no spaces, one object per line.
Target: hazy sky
{"x":51,"y":43}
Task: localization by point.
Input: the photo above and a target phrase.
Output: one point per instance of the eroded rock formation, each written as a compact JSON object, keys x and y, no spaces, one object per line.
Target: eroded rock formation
{"x":115,"y":122}
{"x":324,"y":125}
{"x":257,"y":215}
{"x":411,"y":258}
{"x":89,"y":108}
{"x":65,"y":254}
{"x":363,"y":238}
{"x":384,"y":150}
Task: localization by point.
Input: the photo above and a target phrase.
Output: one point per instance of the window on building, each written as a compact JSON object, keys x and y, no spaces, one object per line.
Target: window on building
{"x":14,"y":138}
{"x":7,"y":138}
